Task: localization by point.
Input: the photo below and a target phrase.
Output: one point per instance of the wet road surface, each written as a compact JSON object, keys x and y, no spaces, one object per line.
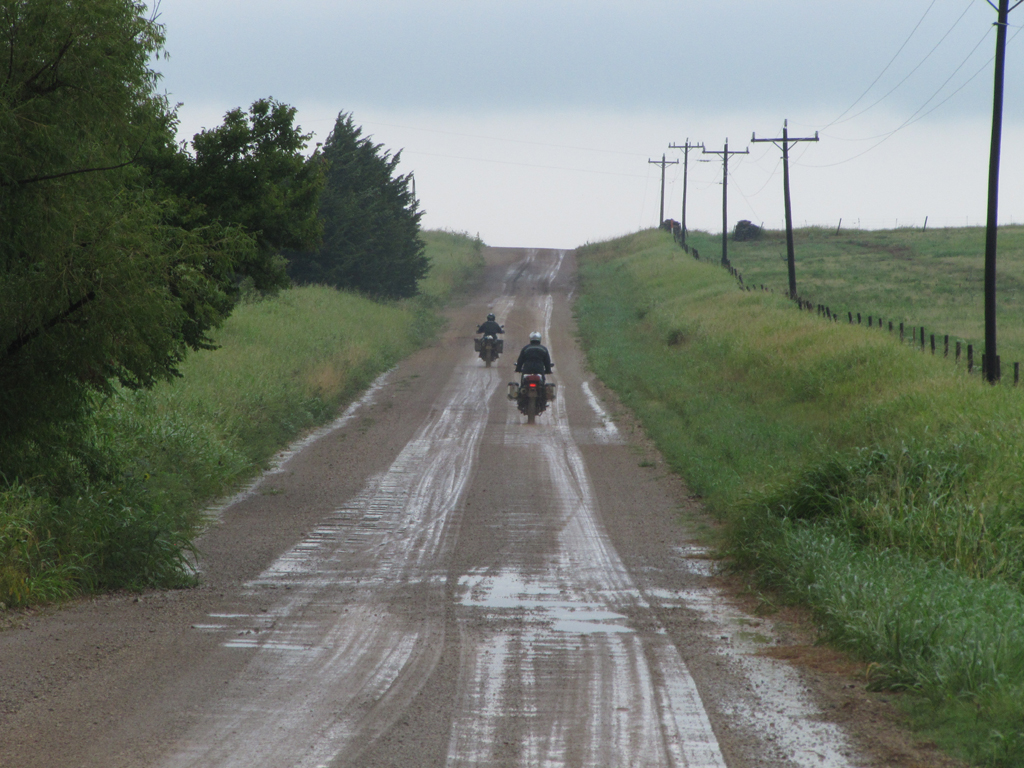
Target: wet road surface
{"x":465,"y":590}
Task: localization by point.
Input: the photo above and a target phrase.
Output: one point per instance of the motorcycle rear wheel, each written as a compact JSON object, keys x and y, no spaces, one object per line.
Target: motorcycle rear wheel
{"x":531,"y":410}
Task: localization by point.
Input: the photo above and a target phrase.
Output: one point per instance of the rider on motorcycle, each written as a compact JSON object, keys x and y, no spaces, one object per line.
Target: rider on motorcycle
{"x":534,"y":358}
{"x":490,"y":327}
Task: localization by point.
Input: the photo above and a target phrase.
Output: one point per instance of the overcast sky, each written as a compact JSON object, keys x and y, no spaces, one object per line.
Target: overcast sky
{"x":533,"y":122}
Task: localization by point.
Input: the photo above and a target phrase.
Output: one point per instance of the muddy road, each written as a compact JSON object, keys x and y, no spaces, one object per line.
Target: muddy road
{"x":430,"y":582}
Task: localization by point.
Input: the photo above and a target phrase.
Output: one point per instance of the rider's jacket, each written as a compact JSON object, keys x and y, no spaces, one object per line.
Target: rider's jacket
{"x":490,"y":328}
{"x":534,"y":358}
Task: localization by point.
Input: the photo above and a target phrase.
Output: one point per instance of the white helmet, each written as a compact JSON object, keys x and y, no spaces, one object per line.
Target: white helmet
{"x":535,"y":337}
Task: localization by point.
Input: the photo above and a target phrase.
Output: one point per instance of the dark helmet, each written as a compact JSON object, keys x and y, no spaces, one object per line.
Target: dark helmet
{"x":490,"y":317}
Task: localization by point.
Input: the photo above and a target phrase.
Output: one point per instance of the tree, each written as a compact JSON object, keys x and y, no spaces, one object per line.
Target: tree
{"x":119,"y":250}
{"x":370,"y":221}
{"x":251,"y":171}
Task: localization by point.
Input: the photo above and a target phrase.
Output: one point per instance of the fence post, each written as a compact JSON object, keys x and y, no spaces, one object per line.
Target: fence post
{"x":970,"y":358}
{"x":890,"y":326}
{"x":858,"y":318}
{"x":945,"y":347}
{"x":901,"y":332}
{"x":1016,"y":374}
{"x":933,"y":343}
{"x":869,"y":321}
{"x":958,"y":353}
{"x":922,"y":338}
{"x":851,"y":317}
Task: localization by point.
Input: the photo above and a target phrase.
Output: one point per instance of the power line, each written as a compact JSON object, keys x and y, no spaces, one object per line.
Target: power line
{"x":911,"y":72}
{"x":663,"y":162}
{"x":686,"y":147}
{"x":886,"y":67}
{"x":915,"y":116}
{"x":786,"y":141}
{"x":725,"y":153}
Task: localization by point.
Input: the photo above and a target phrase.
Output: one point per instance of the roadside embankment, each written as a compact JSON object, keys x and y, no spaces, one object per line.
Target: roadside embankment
{"x":879,"y":486}
{"x":119,"y":502}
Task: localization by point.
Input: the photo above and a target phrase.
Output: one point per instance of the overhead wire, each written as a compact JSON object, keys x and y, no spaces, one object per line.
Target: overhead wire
{"x":746,"y":199}
{"x":886,"y":67}
{"x":906,"y":77}
{"x":916,"y":116}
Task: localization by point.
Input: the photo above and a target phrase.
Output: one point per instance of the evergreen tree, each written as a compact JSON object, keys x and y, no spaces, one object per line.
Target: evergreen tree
{"x":370,"y":221}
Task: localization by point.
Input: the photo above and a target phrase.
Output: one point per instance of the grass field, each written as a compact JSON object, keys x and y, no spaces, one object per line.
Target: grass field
{"x":932,"y":278}
{"x":118,"y":502}
{"x":879,"y":486}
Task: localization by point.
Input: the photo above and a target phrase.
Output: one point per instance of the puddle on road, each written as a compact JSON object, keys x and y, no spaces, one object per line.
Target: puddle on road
{"x":544,"y":603}
{"x":607,"y":433}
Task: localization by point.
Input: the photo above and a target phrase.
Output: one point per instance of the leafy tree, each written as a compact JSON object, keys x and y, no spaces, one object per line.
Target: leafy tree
{"x":120,"y":250}
{"x":370,"y":221}
{"x":251,"y":171}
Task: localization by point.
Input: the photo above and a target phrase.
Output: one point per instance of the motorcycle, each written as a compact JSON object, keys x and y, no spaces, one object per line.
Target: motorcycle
{"x":531,"y":395}
{"x":489,"y":348}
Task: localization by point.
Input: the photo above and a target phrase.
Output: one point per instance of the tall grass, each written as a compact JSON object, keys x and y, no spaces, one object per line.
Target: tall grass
{"x":454,"y":258}
{"x":875,"y":484}
{"x":117,"y":502}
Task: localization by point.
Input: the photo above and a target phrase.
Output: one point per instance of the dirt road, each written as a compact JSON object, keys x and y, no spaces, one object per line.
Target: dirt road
{"x":430,"y":582}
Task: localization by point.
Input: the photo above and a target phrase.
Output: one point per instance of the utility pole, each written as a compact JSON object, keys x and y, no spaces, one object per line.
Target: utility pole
{"x":686,"y":154}
{"x":663,"y":162}
{"x":725,"y":194}
{"x":790,"y":257}
{"x":992,"y":369}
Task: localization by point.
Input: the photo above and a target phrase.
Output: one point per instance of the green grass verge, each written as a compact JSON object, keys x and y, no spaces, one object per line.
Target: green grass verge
{"x":116,"y":503}
{"x":877,"y":485}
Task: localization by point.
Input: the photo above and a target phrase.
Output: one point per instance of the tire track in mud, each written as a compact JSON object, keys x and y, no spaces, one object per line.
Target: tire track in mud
{"x":561,"y":655}
{"x":335,"y":659}
{"x":316,"y":684}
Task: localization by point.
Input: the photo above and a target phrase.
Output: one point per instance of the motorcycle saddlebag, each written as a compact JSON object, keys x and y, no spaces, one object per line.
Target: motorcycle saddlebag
{"x":478,"y":344}
{"x":549,"y":390}
{"x":513,"y":391}
{"x":499,"y":345}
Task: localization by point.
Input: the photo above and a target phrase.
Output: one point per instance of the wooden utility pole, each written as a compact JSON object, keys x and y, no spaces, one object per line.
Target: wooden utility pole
{"x":992,"y":222}
{"x":663,"y":162}
{"x":790,"y":257}
{"x":686,"y":147}
{"x":725,"y":194}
